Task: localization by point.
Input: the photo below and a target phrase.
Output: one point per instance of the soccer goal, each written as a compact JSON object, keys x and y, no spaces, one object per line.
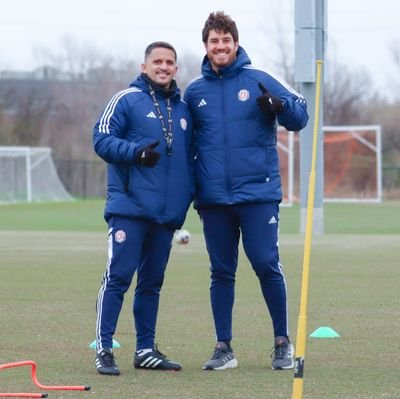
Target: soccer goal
{"x":352,"y":164}
{"x":28,"y":174}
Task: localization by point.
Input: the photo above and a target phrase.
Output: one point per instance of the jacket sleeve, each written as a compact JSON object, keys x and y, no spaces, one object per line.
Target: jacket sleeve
{"x":109,"y":134}
{"x":294,"y":115}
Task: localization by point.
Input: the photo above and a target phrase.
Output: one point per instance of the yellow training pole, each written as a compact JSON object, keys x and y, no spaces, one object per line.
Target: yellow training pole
{"x":302,"y":321}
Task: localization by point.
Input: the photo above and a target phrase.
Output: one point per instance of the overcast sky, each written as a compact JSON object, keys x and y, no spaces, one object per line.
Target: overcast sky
{"x":359,"y":31}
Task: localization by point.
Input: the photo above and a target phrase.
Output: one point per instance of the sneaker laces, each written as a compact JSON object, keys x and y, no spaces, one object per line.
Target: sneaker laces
{"x":159,"y":353}
{"x":218,"y":351}
{"x":108,"y":359}
{"x":279,"y":351}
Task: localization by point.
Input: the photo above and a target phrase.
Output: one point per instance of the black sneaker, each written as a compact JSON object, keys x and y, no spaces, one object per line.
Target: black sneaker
{"x":222,"y":358}
{"x":154,"y":360}
{"x":105,"y":362}
{"x":282,"y":354}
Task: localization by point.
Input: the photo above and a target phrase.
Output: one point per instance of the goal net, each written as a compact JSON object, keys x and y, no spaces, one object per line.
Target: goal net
{"x":352,"y":164}
{"x":28,"y":174}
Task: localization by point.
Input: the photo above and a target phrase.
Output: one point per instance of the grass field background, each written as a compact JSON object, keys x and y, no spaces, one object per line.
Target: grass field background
{"x":53,"y":257}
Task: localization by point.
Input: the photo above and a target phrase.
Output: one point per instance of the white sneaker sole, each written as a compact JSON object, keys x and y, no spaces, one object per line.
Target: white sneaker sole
{"x":232,"y":364}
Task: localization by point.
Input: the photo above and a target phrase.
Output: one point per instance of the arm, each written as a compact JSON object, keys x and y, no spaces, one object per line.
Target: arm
{"x":109,"y":134}
{"x":294,"y":115}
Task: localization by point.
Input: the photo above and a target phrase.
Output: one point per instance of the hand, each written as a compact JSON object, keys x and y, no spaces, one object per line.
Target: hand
{"x":146,"y":156}
{"x":267,"y":103}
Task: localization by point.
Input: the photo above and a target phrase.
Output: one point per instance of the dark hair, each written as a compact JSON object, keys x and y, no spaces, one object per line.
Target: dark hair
{"x":219,"y":21}
{"x":154,"y":45}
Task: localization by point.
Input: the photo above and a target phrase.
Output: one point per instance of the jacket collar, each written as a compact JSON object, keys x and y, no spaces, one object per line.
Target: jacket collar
{"x":143,"y":82}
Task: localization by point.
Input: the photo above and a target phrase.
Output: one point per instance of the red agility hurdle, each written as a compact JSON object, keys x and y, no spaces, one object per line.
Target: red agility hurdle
{"x":37,"y":383}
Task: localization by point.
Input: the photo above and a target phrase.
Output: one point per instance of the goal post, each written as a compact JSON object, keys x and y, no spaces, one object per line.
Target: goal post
{"x":28,"y":174}
{"x":285,"y":146}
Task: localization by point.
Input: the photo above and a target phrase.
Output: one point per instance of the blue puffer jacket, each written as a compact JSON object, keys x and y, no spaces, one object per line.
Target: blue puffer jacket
{"x":237,"y":158}
{"x":130,"y":121}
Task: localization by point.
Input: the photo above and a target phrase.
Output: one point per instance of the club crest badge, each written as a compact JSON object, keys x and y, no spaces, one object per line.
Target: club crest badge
{"x":120,"y":236}
{"x":243,"y":95}
{"x":183,"y":123}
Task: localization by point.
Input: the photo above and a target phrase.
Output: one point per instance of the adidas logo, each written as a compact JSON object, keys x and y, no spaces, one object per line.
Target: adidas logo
{"x":202,"y":103}
{"x":151,"y":115}
{"x":272,"y":220}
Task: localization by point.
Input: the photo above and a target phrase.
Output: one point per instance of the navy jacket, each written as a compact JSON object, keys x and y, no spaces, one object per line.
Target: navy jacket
{"x":129,"y":122}
{"x":237,"y":158}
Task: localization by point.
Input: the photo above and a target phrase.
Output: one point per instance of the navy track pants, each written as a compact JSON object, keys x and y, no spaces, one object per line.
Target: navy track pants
{"x":258,"y":223}
{"x":133,"y":245}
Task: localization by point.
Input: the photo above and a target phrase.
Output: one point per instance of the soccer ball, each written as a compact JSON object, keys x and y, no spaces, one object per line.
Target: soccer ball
{"x":182,"y":237}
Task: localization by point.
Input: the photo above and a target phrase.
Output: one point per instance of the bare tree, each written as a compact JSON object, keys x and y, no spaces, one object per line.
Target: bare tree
{"x":7,"y":98}
{"x":346,"y":91}
{"x":32,"y":110}
{"x":87,"y":79}
{"x":390,"y":113}
{"x":346,"y":95}
{"x":394,"y":49}
{"x":23,"y":111}
{"x":73,"y":58}
{"x":285,"y":55}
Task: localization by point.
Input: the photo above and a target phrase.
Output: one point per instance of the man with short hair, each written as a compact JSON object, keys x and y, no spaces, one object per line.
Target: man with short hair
{"x":145,"y":136}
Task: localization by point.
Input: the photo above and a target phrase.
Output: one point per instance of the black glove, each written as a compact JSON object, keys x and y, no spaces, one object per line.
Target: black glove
{"x":268,"y":104}
{"x":146,"y":156}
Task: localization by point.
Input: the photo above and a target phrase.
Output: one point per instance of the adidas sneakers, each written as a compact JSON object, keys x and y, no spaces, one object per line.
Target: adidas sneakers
{"x":223,"y":358}
{"x":105,"y":362}
{"x":282,"y":354}
{"x":154,"y":360}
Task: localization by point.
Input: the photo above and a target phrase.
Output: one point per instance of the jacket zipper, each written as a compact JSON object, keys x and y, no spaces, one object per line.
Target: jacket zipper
{"x":228,"y":177}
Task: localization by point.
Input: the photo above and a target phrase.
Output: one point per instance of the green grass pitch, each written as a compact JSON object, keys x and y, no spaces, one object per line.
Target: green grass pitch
{"x":53,"y":257}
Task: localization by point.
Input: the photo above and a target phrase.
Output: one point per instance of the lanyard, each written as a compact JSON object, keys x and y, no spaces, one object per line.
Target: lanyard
{"x":168,"y":136}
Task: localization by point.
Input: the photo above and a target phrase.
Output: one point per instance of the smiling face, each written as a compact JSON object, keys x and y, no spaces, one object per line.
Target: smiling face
{"x":221,"y":49}
{"x":160,"y":66}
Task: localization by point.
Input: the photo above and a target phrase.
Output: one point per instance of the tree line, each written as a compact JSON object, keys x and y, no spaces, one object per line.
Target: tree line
{"x":58,"y":104}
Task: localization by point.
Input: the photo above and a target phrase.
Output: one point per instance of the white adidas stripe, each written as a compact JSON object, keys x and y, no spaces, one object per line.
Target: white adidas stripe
{"x":104,"y":123}
{"x":157,"y":363}
{"x":103,"y":287}
{"x":151,"y":362}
